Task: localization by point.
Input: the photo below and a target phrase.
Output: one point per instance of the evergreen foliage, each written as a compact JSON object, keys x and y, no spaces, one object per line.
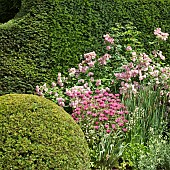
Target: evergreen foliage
{"x":49,"y":36}
{"x":38,"y":134}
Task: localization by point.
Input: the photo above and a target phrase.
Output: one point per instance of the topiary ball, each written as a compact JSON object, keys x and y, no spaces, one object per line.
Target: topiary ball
{"x":36,"y":134}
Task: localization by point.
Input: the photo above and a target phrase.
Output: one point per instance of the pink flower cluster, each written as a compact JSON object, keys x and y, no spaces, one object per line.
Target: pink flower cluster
{"x":40,"y":89}
{"x":161,"y":35}
{"x":103,"y":60}
{"x":101,"y":111}
{"x":59,"y":80}
{"x":88,"y":62}
{"x":142,"y":69}
{"x":158,"y":53}
{"x":84,"y":65}
{"x":76,"y":94}
{"x":108,"y":39}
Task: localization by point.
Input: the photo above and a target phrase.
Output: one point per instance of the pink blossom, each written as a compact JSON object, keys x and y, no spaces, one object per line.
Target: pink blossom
{"x":37,"y":89}
{"x":106,"y":111}
{"x":161,"y":35}
{"x":106,"y":126}
{"x":96,"y":127}
{"x":108,"y":39}
{"x":128,"y":48}
{"x":50,"y":93}
{"x":161,"y":56}
{"x":81,"y":81}
{"x":85,"y":85}
{"x":56,"y":94}
{"x":94,"y":114}
{"x":90,"y":56}
{"x":124,"y":129}
{"x":92,"y":79}
{"x":77,"y":119}
{"x":108,"y":130}
{"x":105,"y":118}
{"x":72,"y":71}
{"x":120,"y":124}
{"x":113,"y":126}
{"x":91,"y":63}
{"x":90,"y":74}
{"x":157,"y":31}
{"x":102,"y":115}
{"x":53,"y":84}
{"x":97,"y":91}
{"x":98,"y":82}
{"x":40,"y":93}
{"x":59,"y":75}
{"x":108,"y":48}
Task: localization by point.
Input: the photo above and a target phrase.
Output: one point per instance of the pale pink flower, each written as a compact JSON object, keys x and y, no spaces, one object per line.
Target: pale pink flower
{"x":90,"y":74}
{"x":108,"y":47}
{"x":108,"y":39}
{"x":161,"y":35}
{"x":134,"y":53}
{"x":81,"y":81}
{"x":59,"y":75}
{"x":92,"y":79}
{"x":91,"y":63}
{"x":53,"y":84}
{"x":72,"y":71}
{"x":98,"y":82}
{"x":160,"y":55}
{"x":128,"y":48}
{"x":37,"y":89}
{"x":90,"y":56}
{"x":56,"y":94}
{"x":157,"y":31}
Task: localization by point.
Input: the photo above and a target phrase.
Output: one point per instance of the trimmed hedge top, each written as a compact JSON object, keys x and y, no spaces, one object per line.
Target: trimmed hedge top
{"x":38,"y":134}
{"x":48,"y":36}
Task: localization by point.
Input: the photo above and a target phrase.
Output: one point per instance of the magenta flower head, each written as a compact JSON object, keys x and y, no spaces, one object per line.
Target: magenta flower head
{"x":108,"y":130}
{"x":97,"y":113}
{"x":96,"y":127}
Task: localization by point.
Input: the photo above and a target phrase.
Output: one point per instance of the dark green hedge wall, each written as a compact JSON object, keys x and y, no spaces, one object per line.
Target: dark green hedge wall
{"x":48,"y":36}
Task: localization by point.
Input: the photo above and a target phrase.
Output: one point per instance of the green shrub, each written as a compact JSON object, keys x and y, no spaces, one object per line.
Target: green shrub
{"x":48,"y":36}
{"x":38,"y":134}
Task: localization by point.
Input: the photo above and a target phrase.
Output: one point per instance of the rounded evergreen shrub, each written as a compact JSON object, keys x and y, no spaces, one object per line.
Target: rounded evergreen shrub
{"x":37,"y":134}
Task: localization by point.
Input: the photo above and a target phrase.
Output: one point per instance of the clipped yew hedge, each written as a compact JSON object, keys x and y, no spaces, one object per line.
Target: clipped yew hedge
{"x":48,"y":36}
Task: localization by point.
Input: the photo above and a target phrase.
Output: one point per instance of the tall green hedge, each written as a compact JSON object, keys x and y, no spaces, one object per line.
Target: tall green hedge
{"x":48,"y":36}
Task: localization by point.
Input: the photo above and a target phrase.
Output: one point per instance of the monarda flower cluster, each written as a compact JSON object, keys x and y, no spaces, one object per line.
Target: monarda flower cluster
{"x":102,"y":111}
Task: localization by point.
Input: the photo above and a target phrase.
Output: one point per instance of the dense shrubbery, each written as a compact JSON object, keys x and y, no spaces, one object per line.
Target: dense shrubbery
{"x":48,"y":36}
{"x":121,"y":132}
{"x":37,"y":134}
